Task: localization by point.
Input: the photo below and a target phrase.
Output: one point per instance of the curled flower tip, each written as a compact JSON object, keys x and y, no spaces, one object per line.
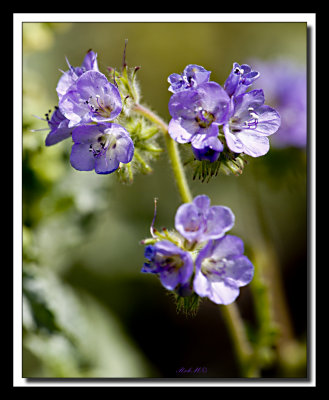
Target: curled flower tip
{"x":152,"y":229}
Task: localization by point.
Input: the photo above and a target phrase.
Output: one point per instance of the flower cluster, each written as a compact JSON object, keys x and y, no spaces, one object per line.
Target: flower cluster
{"x":87,"y":106}
{"x":220,"y":120}
{"x":199,"y":257}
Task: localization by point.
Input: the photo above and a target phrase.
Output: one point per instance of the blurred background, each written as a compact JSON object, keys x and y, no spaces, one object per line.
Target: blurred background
{"x":88,"y":311}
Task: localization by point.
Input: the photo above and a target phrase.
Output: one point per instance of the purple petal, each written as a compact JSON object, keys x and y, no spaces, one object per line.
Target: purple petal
{"x":90,"y":61}
{"x":106,"y":163}
{"x":189,"y":221}
{"x":228,"y":246}
{"x":202,"y":202}
{"x":223,"y":292}
{"x":239,"y":270}
{"x":215,"y":100}
{"x":253,"y":144}
{"x":88,"y":133}
{"x":219,"y":220}
{"x":178,"y":133}
{"x":81,"y":158}
{"x":206,"y":148}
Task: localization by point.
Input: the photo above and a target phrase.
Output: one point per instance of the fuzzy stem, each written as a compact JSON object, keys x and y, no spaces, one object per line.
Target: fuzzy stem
{"x":243,"y":349}
{"x":173,"y":152}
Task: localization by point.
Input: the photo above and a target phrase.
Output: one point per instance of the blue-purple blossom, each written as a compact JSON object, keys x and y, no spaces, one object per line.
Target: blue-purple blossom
{"x":221,"y":269}
{"x":198,"y":221}
{"x":71,"y":76}
{"x":285,"y":85}
{"x":197,"y":113}
{"x":59,"y":129}
{"x":249,"y":124}
{"x":207,"y":149}
{"x":173,"y":265}
{"x":192,"y":76}
{"x":92,"y":99}
{"x":101,"y":147}
{"x":240,"y":78}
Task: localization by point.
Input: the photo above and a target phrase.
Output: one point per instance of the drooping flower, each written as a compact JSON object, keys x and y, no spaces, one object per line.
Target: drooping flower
{"x":101,"y":147}
{"x":71,"y":76}
{"x":249,"y":124}
{"x":285,"y":85}
{"x":240,"y":78}
{"x":92,"y":99}
{"x":192,"y":76}
{"x":173,"y":265}
{"x":197,"y":113}
{"x":59,"y":129}
{"x":198,"y":221}
{"x":221,"y":269}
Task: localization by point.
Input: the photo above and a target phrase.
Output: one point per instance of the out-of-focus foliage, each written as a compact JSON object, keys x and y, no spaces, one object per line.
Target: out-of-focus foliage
{"x":88,"y":311}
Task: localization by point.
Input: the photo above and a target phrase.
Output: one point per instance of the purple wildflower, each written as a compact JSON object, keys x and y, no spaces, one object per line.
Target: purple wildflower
{"x":240,"y":78}
{"x":93,"y":99}
{"x":192,"y":76}
{"x":285,"y":85}
{"x":173,"y":265}
{"x":221,"y":269}
{"x":198,"y":221}
{"x":197,"y":113}
{"x":101,"y":147}
{"x":71,"y":76}
{"x":249,"y":123}
{"x":59,"y":129}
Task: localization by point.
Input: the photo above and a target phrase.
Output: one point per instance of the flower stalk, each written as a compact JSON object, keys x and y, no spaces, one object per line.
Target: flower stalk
{"x":230,"y":313}
{"x":172,"y":149}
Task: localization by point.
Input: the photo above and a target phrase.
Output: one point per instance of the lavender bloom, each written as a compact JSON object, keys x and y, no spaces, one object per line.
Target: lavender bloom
{"x":101,"y":147}
{"x":249,"y":124}
{"x":286,"y":89}
{"x":192,"y":76}
{"x":240,"y":78}
{"x":173,"y":265}
{"x":207,"y":149}
{"x":198,"y":221}
{"x":221,"y":269}
{"x":92,"y":99}
{"x":59,"y":129}
{"x":71,"y":76}
{"x":196,"y":113}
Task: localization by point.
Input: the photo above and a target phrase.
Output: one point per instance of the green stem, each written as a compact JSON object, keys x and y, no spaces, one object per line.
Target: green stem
{"x":231,"y":314}
{"x":243,"y":349}
{"x":173,"y":152}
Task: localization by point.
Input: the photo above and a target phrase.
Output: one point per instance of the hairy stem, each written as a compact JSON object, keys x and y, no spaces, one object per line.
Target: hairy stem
{"x":243,"y":349}
{"x":173,"y":152}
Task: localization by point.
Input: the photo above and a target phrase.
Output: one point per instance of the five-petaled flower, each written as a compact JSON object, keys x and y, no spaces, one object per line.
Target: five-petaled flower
{"x":198,"y":221}
{"x":221,"y":269}
{"x":197,"y":113}
{"x":91,"y":99}
{"x":101,"y":147}
{"x":249,"y":124}
{"x":173,"y":265}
